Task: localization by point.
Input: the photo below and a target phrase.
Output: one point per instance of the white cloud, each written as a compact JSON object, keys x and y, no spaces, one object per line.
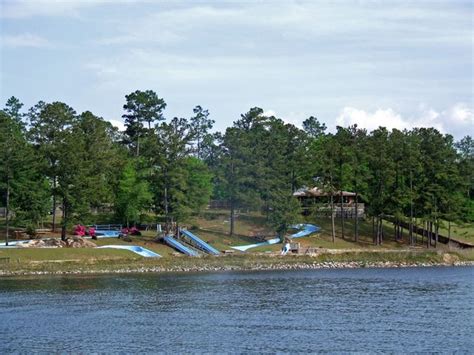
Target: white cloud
{"x":119,"y":124}
{"x":31,"y":8}
{"x":24,"y":40}
{"x":298,"y":21}
{"x":299,"y":58}
{"x":291,"y":117}
{"x":269,"y":113}
{"x":381,"y":117}
{"x":457,"y":120}
{"x":461,"y":114}
{"x":147,"y":36}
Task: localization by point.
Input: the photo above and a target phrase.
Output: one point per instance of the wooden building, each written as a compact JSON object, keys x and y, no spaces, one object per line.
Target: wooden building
{"x":318,"y":202}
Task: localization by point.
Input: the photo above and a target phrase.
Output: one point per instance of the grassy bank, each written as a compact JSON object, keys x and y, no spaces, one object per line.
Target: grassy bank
{"x":111,"y":261}
{"x":213,"y":227}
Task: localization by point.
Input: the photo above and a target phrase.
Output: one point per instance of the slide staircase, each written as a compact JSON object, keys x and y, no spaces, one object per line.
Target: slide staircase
{"x":173,"y":242}
{"x":197,"y":242}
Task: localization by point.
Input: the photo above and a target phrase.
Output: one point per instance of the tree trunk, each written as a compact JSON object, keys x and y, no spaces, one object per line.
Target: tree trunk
{"x":198,"y":140}
{"x":293,"y":181}
{"x":374,"y":235}
{"x":449,"y":232}
{"x":410,"y":233}
{"x":356,"y":231}
{"x":414,"y":226}
{"x":381,"y":231}
{"x":377,"y":231}
{"x":428,"y":233}
{"x":64,"y":221}
{"x":231,"y":217}
{"x":341,"y":204}
{"x":167,"y":219}
{"x":267,"y":207}
{"x":7,"y":212}
{"x":232,"y":201}
{"x":54,"y":204}
{"x":431,"y":233}
{"x":333,"y":227}
{"x":423,"y":232}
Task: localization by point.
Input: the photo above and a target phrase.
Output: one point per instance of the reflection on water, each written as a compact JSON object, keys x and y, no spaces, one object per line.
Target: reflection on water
{"x":368,"y":310}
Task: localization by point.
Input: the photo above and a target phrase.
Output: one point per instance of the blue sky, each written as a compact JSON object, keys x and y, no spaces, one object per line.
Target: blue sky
{"x":393,"y":63}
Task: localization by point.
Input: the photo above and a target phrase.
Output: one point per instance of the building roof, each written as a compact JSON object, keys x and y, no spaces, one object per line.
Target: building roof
{"x":317,"y":192}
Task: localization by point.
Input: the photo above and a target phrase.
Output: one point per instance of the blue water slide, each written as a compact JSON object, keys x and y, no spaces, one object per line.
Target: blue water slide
{"x":306,"y":229}
{"x":147,"y":253}
{"x":179,"y":246}
{"x":102,"y":233}
{"x":200,"y":243}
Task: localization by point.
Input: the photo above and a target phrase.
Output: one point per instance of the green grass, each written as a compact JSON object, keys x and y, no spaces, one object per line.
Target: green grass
{"x":463,"y":232}
{"x":365,"y":235}
{"x":459,"y":231}
{"x":246,"y":225}
{"x":65,"y":254}
{"x":213,"y":227}
{"x":146,"y":241}
{"x":115,"y":262}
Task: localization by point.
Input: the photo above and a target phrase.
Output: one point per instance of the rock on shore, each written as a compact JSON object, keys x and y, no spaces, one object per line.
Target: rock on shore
{"x":70,"y":242}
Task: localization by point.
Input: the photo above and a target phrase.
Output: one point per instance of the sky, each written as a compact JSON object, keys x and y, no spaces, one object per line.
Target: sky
{"x":398,"y":64}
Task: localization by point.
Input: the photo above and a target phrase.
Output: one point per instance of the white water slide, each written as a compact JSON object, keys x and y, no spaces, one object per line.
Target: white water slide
{"x":306,"y":229}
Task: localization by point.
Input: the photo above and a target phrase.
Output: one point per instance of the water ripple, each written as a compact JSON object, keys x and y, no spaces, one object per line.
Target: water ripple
{"x":337,"y":311}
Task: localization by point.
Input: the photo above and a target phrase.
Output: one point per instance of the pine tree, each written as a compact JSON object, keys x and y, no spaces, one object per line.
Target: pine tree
{"x":133,"y":195}
{"x":20,"y":181}
{"x":141,"y":107}
{"x":381,"y":167}
{"x":285,"y":211}
{"x":200,"y":126}
{"x":313,"y":127}
{"x":51,"y":126}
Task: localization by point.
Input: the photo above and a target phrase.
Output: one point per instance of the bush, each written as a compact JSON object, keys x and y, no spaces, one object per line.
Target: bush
{"x":31,"y":231}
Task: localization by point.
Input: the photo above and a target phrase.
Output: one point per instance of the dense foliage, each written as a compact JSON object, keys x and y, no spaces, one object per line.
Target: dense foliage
{"x":53,"y":157}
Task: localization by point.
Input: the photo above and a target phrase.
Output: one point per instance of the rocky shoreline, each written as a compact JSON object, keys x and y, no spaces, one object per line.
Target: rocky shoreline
{"x":254,"y":267}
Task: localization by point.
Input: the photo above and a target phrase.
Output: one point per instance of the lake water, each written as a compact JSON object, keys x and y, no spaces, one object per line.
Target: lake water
{"x":358,"y":310}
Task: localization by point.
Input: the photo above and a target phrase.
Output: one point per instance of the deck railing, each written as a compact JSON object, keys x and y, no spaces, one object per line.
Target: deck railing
{"x":347,"y":210}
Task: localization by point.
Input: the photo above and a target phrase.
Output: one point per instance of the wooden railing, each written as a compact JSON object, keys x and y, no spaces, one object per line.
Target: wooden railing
{"x":347,"y":211}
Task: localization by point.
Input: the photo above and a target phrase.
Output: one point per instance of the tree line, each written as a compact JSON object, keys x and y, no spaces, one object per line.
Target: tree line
{"x":51,"y":157}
